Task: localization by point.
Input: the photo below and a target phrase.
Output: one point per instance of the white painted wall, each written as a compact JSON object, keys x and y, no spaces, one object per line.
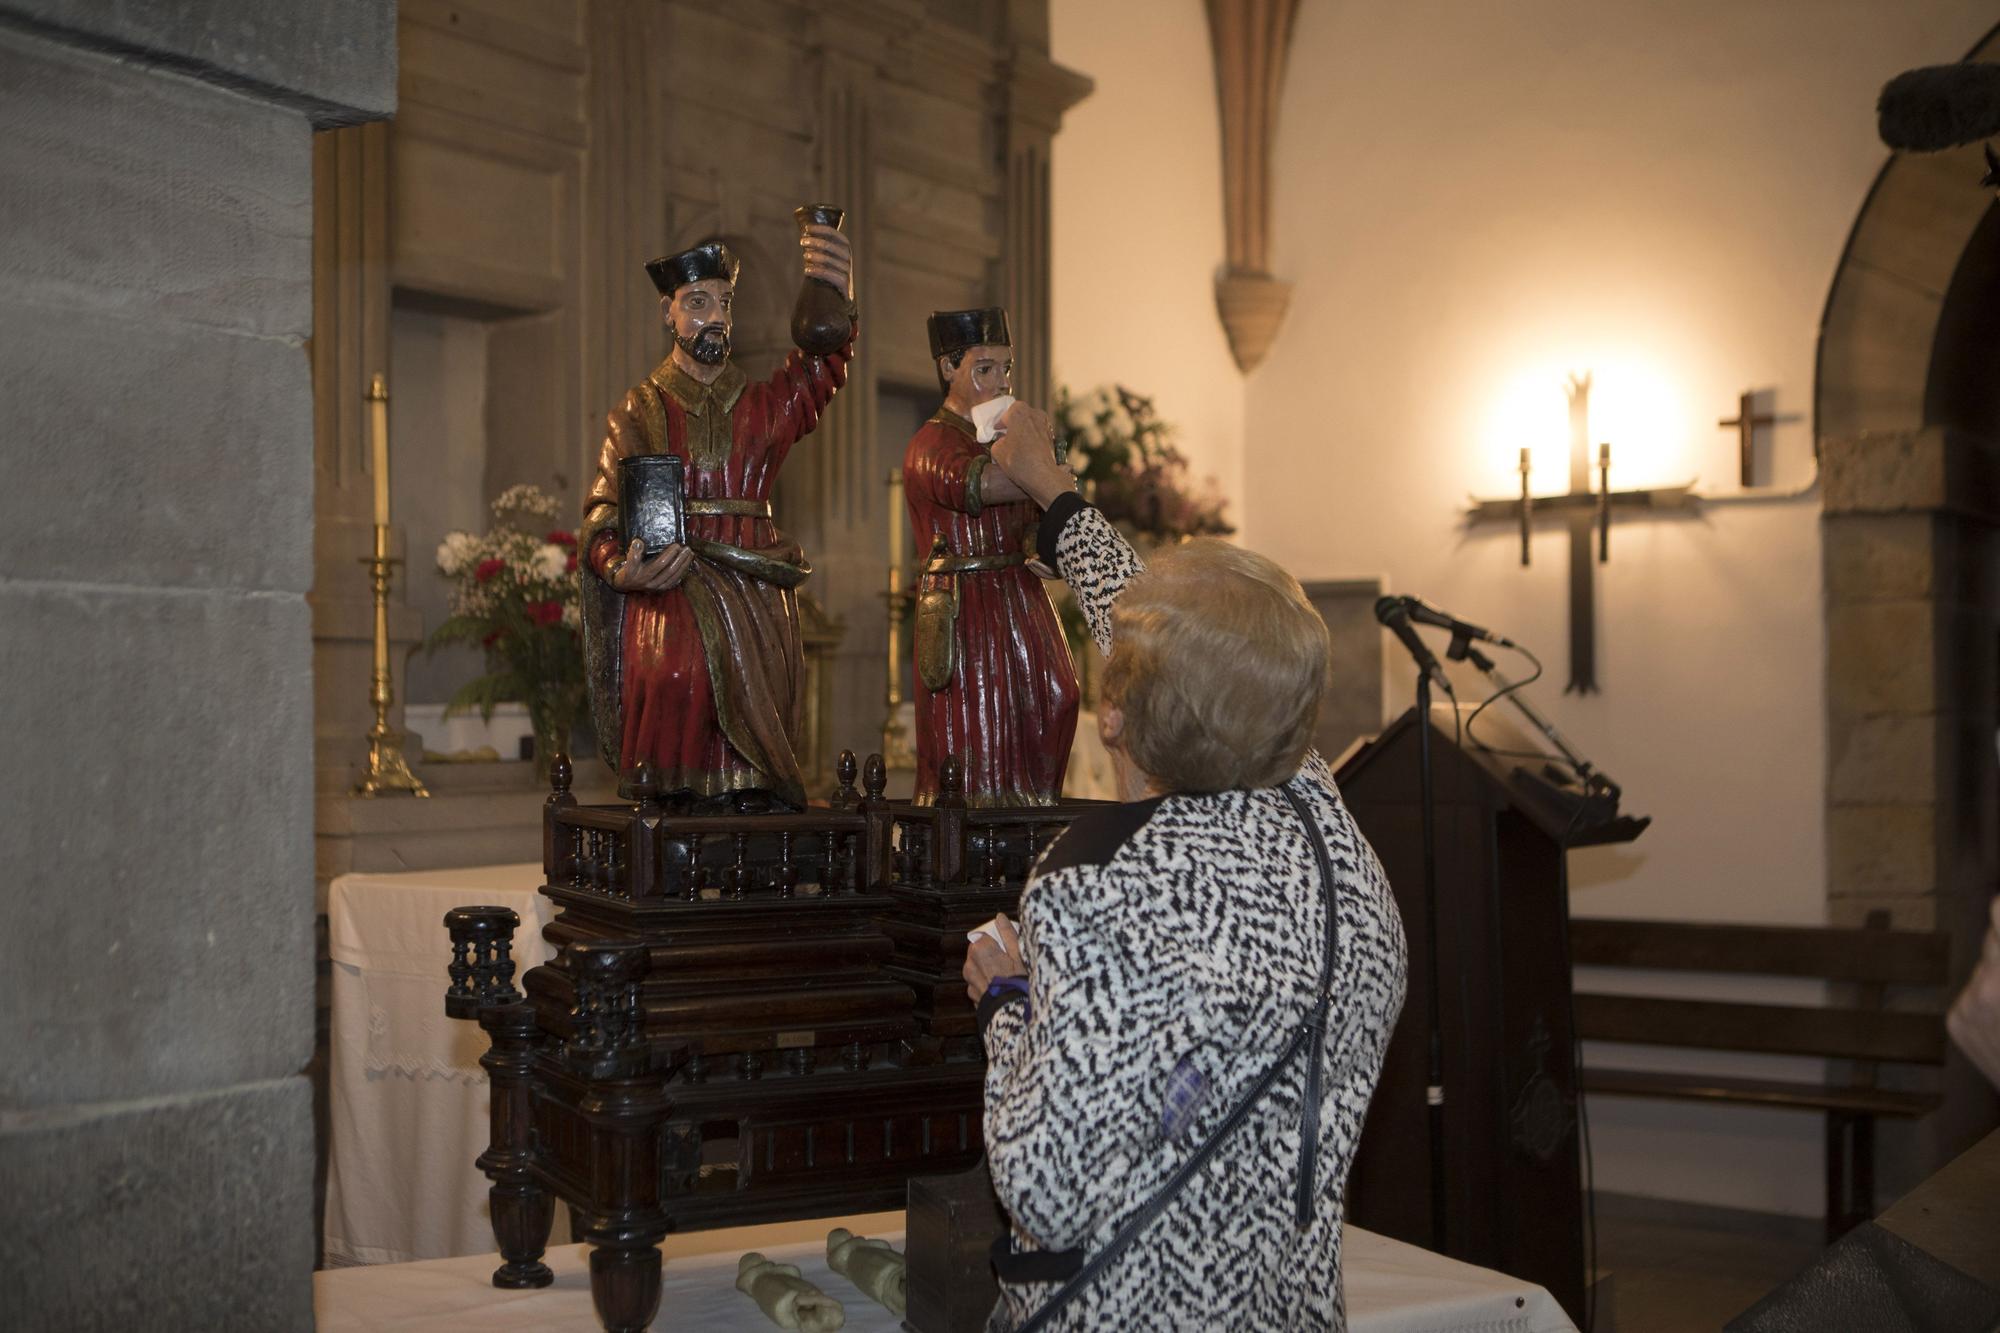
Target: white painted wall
{"x":1137,"y":228}
{"x":1472,"y":200}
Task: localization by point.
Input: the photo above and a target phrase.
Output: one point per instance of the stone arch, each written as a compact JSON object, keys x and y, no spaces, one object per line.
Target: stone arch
{"x":1907,"y":428}
{"x":1879,"y":330}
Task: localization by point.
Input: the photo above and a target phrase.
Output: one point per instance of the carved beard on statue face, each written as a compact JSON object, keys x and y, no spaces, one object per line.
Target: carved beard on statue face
{"x":710,"y":346}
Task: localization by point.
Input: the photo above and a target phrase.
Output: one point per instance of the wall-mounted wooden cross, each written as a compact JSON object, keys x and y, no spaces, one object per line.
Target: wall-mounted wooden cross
{"x":1746,"y":421}
{"x":1581,"y":509}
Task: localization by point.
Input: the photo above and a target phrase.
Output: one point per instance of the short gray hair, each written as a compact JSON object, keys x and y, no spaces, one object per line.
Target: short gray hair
{"x":1219,"y":663}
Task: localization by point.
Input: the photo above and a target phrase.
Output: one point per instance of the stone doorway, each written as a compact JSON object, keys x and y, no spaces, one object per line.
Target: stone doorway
{"x":1907,"y":424}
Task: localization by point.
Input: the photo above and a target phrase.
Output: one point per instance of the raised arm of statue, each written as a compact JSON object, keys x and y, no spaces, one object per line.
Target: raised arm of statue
{"x":799,"y":391}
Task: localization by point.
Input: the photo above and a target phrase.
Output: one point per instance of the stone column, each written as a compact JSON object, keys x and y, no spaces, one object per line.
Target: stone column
{"x":1911,"y":547}
{"x":155,"y":552}
{"x":1036,"y":92}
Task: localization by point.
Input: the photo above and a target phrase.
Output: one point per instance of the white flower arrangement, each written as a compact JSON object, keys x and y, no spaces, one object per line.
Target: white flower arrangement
{"x":516,"y":592}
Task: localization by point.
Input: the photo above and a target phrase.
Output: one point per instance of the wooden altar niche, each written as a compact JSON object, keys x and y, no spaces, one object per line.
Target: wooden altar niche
{"x":749,"y":1018}
{"x":1513,"y":1189}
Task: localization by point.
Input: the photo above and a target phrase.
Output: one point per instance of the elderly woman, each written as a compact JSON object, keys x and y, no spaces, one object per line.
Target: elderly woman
{"x":1183,"y":1036}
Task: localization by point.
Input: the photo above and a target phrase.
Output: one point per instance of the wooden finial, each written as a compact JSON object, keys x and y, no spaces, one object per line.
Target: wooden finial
{"x":875,"y":778}
{"x":951,"y":779}
{"x":645,"y":784}
{"x":560,"y":773}
{"x":845,"y":769}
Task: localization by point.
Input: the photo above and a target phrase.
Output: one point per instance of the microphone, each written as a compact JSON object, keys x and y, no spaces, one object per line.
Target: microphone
{"x":1425,"y":614}
{"x":1394,"y":613}
{"x":1940,"y":106}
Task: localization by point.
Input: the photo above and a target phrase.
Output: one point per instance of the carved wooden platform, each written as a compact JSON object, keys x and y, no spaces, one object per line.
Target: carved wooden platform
{"x":749,"y":1017}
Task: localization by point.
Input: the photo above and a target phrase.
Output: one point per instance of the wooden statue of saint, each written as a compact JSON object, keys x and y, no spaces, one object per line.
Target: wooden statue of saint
{"x":693,"y":654}
{"x":995,"y":683}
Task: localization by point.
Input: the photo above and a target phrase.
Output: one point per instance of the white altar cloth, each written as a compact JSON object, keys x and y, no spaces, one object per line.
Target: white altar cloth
{"x":1391,"y":1288}
{"x":409,"y":1102}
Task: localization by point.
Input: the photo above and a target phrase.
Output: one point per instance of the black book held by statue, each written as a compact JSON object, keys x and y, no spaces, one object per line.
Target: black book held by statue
{"x":652,"y":506}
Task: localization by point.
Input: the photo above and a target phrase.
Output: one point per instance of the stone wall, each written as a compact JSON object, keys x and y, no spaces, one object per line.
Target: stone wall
{"x":155,"y":295}
{"x":1911,"y":539}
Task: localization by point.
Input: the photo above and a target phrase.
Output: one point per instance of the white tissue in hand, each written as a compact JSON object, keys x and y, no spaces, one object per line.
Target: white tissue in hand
{"x":991,"y":930}
{"x":872,"y":1265}
{"x":986,"y":417}
{"x":786,"y":1298}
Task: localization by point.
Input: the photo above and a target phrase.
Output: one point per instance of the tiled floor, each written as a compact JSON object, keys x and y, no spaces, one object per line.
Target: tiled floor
{"x":1693,"y":1271}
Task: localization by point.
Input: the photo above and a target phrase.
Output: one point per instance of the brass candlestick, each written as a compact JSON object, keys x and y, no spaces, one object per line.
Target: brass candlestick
{"x":388,"y":772}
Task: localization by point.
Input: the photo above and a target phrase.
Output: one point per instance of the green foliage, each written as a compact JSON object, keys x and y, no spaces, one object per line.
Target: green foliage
{"x":1126,"y":459}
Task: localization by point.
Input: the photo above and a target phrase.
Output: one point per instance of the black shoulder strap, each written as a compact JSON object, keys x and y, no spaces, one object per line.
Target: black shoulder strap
{"x":1311,"y":1031}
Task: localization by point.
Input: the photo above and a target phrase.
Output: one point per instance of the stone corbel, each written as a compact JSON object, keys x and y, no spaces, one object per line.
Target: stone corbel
{"x":1251,"y":39}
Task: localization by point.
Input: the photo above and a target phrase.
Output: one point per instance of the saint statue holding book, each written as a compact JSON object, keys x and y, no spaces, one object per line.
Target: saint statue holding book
{"x":995,"y":683}
{"x":691,"y":639}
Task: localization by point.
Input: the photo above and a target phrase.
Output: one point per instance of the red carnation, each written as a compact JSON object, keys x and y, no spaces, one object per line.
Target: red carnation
{"x":561,"y":538}
{"x":545,"y":613}
{"x":572,"y":561}
{"x":487,"y":568}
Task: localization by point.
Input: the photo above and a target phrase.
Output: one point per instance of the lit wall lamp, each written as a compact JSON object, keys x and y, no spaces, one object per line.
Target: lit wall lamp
{"x":1582,"y":508}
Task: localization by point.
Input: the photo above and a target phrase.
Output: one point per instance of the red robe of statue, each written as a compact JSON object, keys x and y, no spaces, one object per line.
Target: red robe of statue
{"x":1009,"y":710}
{"x":707,"y":682}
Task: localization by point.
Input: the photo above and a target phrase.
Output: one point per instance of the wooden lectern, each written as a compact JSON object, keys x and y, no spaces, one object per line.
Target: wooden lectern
{"x":1513,"y":1197}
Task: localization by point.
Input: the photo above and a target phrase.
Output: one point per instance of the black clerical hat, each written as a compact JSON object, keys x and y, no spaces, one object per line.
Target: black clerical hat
{"x":956,"y":330}
{"x":711,"y":259}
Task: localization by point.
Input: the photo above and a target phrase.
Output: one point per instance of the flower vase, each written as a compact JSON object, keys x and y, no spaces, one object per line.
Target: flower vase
{"x":552,"y":724}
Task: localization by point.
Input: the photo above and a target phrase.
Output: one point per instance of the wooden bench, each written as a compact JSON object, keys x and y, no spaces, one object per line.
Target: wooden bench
{"x":1855,"y":1027}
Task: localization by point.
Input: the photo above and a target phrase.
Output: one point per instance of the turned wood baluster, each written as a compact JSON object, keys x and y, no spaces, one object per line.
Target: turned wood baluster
{"x":482,"y":987}
{"x":482,"y":965}
{"x":880,"y":823}
{"x":558,"y":840}
{"x":739,"y":873}
{"x":522,"y":1209}
{"x":459,"y":995}
{"x":831,"y":858}
{"x":949,"y":832}
{"x":641,"y":864}
{"x":990,"y":867}
{"x":788,"y":873}
{"x":625,"y":1226}
{"x":695,"y":881}
{"x":607,"y":1029}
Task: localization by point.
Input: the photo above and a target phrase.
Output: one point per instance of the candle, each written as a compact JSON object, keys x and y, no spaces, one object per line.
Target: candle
{"x":378,"y":403}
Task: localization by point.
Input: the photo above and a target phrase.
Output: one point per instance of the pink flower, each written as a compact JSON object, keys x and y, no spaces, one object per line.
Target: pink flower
{"x":561,"y":538}
{"x":487,"y":568}
{"x":545,"y":613}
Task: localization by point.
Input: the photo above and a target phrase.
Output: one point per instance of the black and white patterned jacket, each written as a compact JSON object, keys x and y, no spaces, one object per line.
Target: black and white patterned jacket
{"x":1189,"y":926}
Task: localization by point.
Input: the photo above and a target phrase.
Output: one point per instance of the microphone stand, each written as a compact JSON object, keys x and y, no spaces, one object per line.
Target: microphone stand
{"x":1595,"y":782}
{"x":1434,"y":1092}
